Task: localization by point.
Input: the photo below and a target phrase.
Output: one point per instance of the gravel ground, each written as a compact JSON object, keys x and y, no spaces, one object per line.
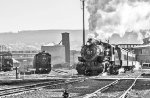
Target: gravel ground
{"x":109,"y":95}
{"x":139,"y":94}
{"x":128,"y":74}
{"x":44,"y":93}
{"x":140,"y":90}
{"x":116,"y":90}
{"x":80,"y":89}
{"x":12,"y":74}
{"x":75,"y":90}
{"x":120,"y":86}
{"x":88,"y":86}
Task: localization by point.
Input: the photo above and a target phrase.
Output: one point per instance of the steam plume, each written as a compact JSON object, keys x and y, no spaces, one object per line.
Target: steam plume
{"x":118,"y":16}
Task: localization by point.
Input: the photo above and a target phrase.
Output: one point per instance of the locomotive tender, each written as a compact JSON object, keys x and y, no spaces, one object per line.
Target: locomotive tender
{"x":42,"y":63}
{"x":100,"y":57}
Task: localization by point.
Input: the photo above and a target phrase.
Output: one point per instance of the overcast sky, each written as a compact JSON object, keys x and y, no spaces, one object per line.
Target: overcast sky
{"x":17,"y":15}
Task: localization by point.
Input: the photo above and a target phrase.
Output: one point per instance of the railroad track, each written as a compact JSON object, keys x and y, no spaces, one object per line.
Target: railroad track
{"x":117,"y":85}
{"x":34,"y":87}
{"x":25,"y":88}
{"x":124,"y":95}
{"x":102,"y":89}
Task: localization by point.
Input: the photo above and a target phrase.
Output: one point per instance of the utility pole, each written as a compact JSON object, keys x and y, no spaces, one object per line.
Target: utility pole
{"x":83,"y":2}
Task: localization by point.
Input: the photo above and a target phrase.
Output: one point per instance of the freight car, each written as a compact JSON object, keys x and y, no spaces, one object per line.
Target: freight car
{"x":100,"y":57}
{"x":6,"y":61}
{"x":42,"y":63}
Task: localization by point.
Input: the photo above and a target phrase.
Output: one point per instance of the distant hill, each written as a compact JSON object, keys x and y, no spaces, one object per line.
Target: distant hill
{"x":36,"y":38}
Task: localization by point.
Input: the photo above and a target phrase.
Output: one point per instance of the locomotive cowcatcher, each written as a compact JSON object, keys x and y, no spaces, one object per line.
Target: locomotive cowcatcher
{"x":42,"y":63}
{"x":100,"y":57}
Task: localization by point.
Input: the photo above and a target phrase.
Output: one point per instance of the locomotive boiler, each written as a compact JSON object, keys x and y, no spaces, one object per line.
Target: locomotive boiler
{"x":100,"y":57}
{"x":42,"y":63}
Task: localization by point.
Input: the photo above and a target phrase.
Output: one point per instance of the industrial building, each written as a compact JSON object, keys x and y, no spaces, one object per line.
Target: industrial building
{"x":59,"y":53}
{"x":66,"y":43}
{"x":142,"y":51}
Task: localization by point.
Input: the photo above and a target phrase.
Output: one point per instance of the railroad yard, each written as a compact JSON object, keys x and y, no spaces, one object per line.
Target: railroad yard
{"x":75,"y":49}
{"x":130,"y":85}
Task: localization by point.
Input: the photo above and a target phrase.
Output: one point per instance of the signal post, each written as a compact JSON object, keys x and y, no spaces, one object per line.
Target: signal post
{"x":17,"y":65}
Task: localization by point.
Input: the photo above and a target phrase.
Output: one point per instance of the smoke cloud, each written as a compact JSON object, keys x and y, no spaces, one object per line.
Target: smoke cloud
{"x":118,"y":16}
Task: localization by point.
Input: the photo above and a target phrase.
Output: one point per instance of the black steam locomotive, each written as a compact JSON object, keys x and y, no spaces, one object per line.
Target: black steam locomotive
{"x":42,"y":63}
{"x":6,"y":61}
{"x":100,"y":57}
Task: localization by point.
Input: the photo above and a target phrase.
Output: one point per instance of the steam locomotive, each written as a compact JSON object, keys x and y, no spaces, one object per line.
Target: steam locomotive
{"x":6,"y":61}
{"x":100,"y":57}
{"x":42,"y":63}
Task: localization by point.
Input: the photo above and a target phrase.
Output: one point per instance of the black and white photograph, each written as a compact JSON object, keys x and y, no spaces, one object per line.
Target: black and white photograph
{"x":74,"y":48}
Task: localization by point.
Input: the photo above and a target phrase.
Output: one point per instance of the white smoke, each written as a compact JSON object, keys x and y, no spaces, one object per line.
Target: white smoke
{"x":147,"y":34}
{"x":118,"y":16}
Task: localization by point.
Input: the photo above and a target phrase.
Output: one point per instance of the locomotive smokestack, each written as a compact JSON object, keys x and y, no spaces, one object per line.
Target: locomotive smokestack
{"x":66,"y":43}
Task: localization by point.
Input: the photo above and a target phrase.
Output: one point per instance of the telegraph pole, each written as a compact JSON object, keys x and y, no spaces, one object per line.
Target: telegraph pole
{"x":83,"y":2}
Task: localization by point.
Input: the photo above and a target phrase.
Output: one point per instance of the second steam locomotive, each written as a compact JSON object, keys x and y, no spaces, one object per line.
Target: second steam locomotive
{"x":42,"y":63}
{"x":100,"y":57}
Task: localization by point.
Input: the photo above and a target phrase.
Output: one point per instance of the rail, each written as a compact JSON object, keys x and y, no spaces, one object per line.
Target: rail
{"x":29,"y":88}
{"x":103,"y":88}
{"x":127,"y":91}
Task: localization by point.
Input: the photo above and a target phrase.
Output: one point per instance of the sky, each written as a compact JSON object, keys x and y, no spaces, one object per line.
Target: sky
{"x":18,"y":15}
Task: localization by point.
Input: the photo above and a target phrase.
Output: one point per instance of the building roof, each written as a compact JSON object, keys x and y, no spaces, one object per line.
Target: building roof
{"x":142,"y":46}
{"x":15,"y":61}
{"x":53,"y":44}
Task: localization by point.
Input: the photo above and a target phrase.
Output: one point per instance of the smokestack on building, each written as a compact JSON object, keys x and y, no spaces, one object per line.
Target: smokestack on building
{"x":66,"y":43}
